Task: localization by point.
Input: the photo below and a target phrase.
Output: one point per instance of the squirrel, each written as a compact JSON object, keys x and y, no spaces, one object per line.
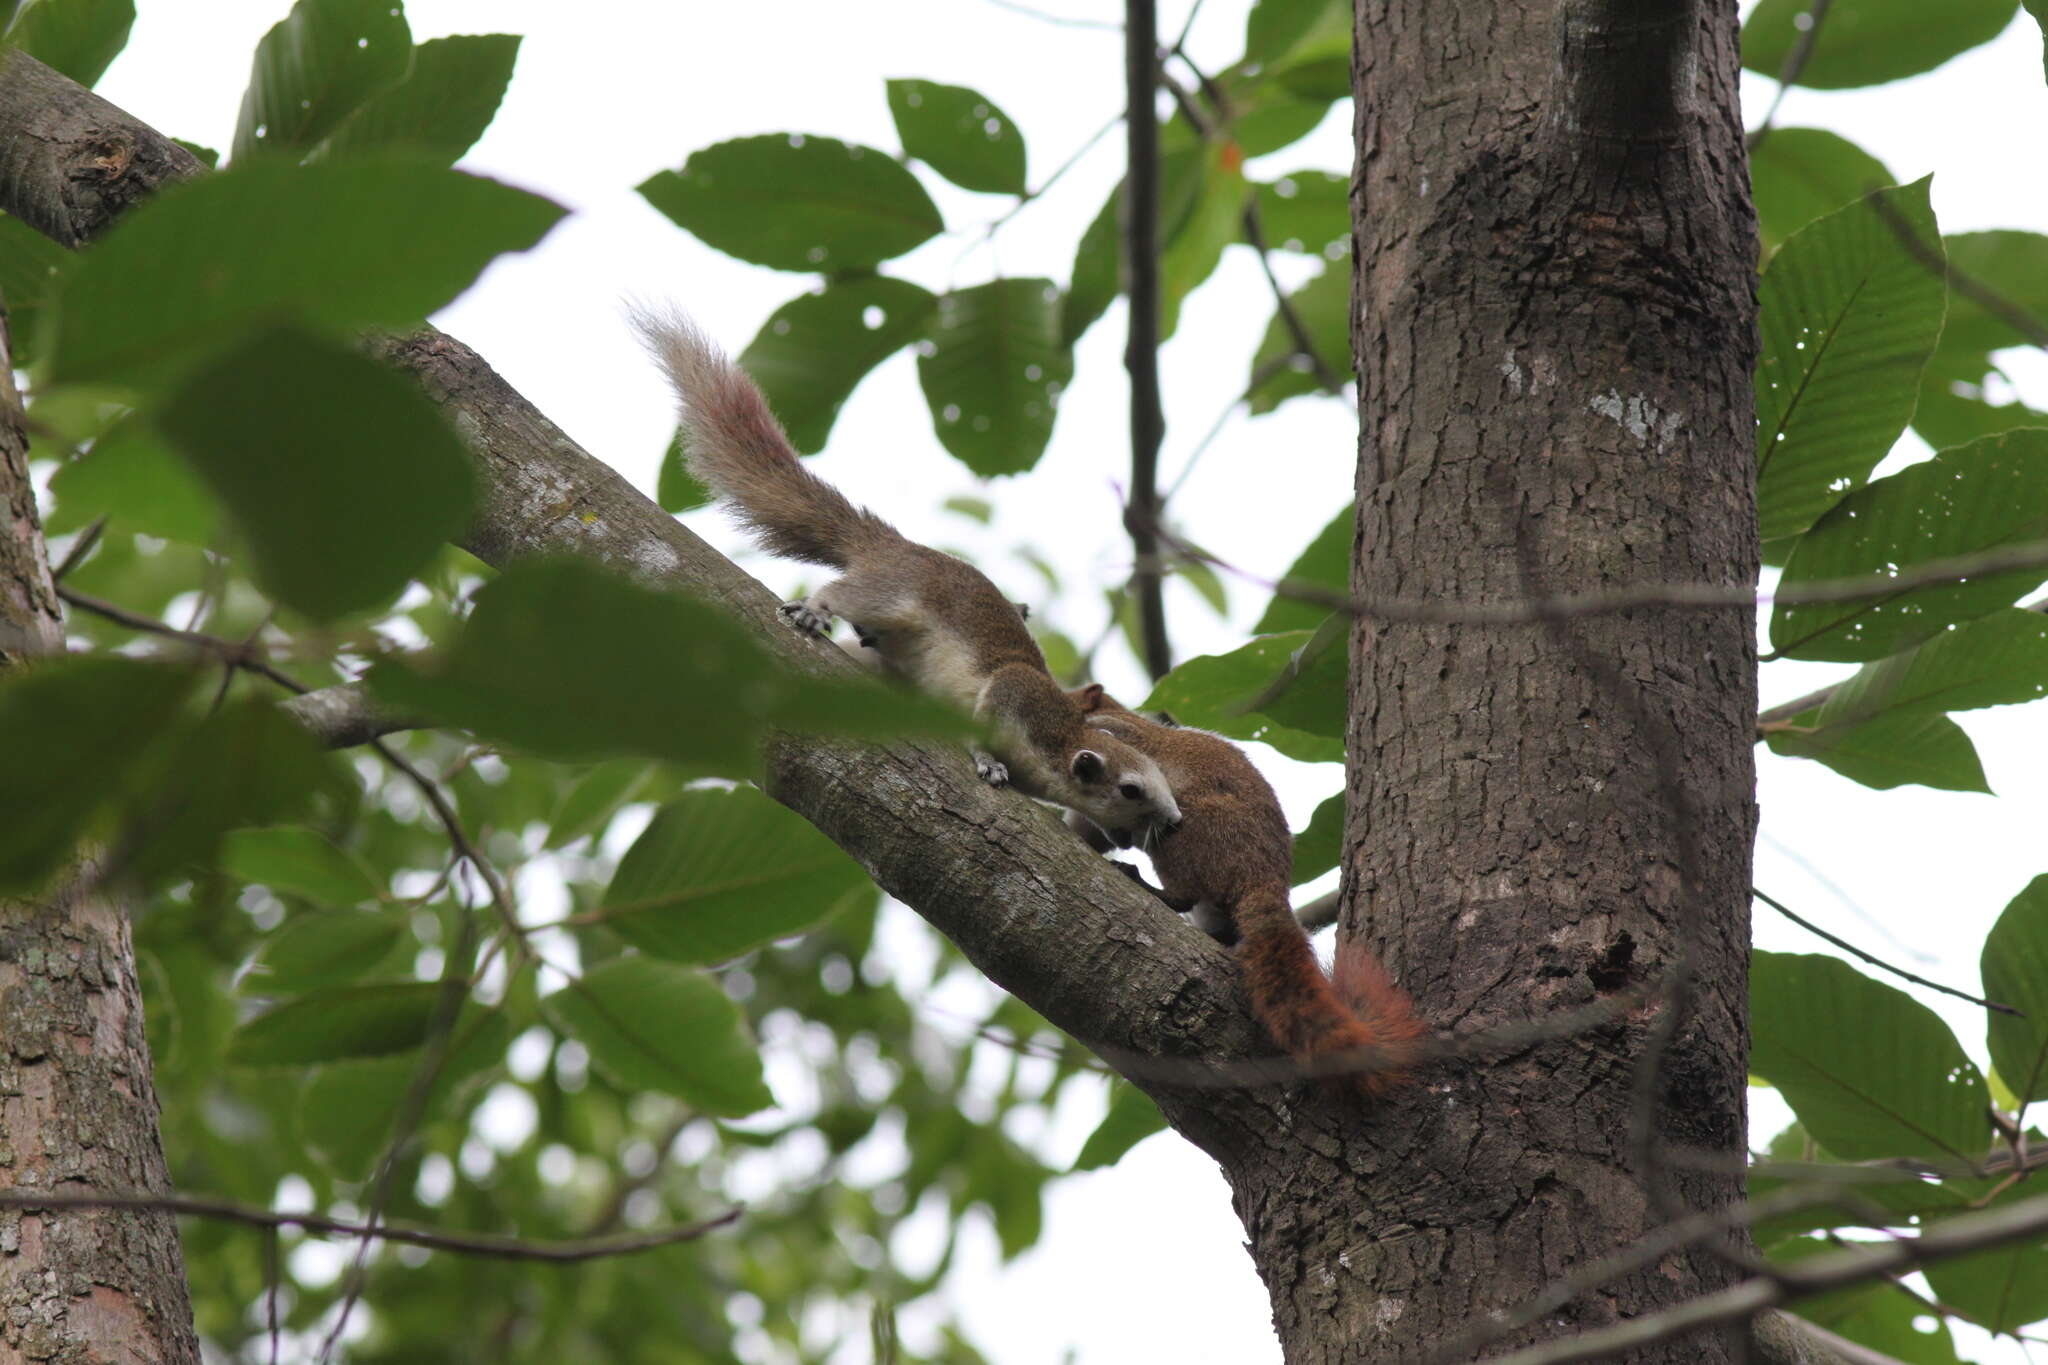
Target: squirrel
{"x":1230,"y":865}
{"x":934,"y":620}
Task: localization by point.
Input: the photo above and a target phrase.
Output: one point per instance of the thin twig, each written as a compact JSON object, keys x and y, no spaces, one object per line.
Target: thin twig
{"x":1790,"y":72}
{"x":2031,"y":328}
{"x":243,"y":656}
{"x":1879,"y":962}
{"x":79,"y":549}
{"x":1141,"y":350}
{"x":1032,"y":196}
{"x":1290,"y":317}
{"x":411,"y":1234}
{"x":1062,"y":20}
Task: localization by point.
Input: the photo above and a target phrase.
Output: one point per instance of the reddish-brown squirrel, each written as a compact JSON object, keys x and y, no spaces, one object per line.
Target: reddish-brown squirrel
{"x":1230,"y":864}
{"x":936,"y":621}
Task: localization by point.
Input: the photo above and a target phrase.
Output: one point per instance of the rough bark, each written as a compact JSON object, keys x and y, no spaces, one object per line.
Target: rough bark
{"x":1553,"y":325}
{"x":78,"y":1110}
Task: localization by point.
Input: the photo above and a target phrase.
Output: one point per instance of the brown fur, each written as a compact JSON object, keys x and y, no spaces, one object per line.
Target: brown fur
{"x":1233,"y":852}
{"x":934,"y":620}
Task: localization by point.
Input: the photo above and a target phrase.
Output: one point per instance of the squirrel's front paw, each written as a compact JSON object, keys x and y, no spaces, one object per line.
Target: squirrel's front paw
{"x":990,"y":770}
{"x":806,"y":620}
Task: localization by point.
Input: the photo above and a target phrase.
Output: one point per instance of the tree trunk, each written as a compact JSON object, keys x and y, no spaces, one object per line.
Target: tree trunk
{"x":77,"y":1106}
{"x":1554,"y":332}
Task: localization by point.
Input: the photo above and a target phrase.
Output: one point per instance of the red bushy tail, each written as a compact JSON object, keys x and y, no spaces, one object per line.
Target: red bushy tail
{"x":1301,"y":1008}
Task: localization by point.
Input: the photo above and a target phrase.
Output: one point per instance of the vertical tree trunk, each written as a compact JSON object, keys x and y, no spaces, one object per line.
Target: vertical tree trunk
{"x":77,"y":1107}
{"x":1554,"y":329}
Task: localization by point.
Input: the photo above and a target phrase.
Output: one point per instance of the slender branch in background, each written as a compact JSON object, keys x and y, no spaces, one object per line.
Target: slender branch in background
{"x":1063,"y":21}
{"x":1208,"y":439}
{"x":1030,"y":196}
{"x":80,"y":548}
{"x":1952,"y":1237}
{"x":2012,"y":314}
{"x":1795,"y":66}
{"x":614,"y":1211}
{"x":459,"y":1243}
{"x":1879,"y":962}
{"x":1141,"y":351}
{"x":1319,"y":913}
{"x":1297,"y":330}
{"x":273,"y":1277}
{"x":1180,"y":42}
{"x":235,"y":654}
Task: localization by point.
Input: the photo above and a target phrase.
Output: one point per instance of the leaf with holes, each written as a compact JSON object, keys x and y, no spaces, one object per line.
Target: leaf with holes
{"x":718,"y":872}
{"x":1309,"y":212}
{"x":653,"y":1025}
{"x":814,"y":349}
{"x":1970,"y":500}
{"x":798,"y":202}
{"x":1869,"y":1070}
{"x":441,"y":107}
{"x":2015,"y":966}
{"x":1868,"y":42}
{"x":959,"y":133}
{"x":314,"y":68}
{"x":1849,"y":316}
{"x":1800,"y":174}
{"x":992,"y":373}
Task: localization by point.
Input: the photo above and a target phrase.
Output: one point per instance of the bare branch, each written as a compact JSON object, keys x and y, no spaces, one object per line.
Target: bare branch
{"x":1879,"y":962}
{"x":347,"y":714}
{"x":1141,"y":351}
{"x":412,"y":1234}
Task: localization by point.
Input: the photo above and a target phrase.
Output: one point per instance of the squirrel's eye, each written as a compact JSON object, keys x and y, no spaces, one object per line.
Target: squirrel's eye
{"x":1132,"y":791}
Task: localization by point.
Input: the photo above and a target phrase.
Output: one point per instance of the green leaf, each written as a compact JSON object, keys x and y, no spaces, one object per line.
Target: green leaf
{"x":2001,"y":1290}
{"x":2014,"y":265}
{"x":131,"y":477}
{"x":1868,"y":42}
{"x":30,"y":266}
{"x":1891,"y":751}
{"x":589,"y":806}
{"x":1875,"y":1314}
{"x":811,"y":353}
{"x":79,"y":38}
{"x":1318,"y":848}
{"x":1204,"y":579}
{"x":299,"y":862}
{"x":350,"y":244}
{"x":654,"y":1025}
{"x":323,"y":949}
{"x":1307,"y":211}
{"x":1849,"y":317}
{"x":1132,"y":1118}
{"x":1325,"y":564}
{"x":1311,"y":692}
{"x":719,"y":872}
{"x":74,"y":731}
{"x":1800,"y":174}
{"x":1276,"y":30}
{"x":2015,"y":966}
{"x":1195,"y":246}
{"x":1271,"y":117}
{"x":314,"y":68}
{"x":342,"y":476}
{"x":1098,"y":260}
{"x":441,"y":107}
{"x":676,"y":488}
{"x":993,"y":372}
{"x":975,"y":509}
{"x":347,"y":1108}
{"x":348,"y":1021}
{"x":1996,"y":660}
{"x":798,"y":202}
{"x":960,"y":134}
{"x":1206,"y":692}
{"x":569,"y":661}
{"x":1951,"y":410}
{"x":1870,"y":1071}
{"x":1975,"y":498}
{"x":1279,"y":370}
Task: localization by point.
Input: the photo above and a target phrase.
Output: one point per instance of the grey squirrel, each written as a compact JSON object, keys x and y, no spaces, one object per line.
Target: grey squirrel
{"x":936,"y":621}
{"x":1229,"y":865}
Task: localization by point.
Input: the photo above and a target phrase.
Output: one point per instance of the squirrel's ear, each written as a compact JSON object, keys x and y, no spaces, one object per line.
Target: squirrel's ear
{"x":1091,"y":697}
{"x":1088,"y":765}
{"x":1023,"y":610}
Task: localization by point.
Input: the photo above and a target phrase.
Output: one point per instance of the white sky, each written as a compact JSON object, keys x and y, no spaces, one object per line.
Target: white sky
{"x":1142,"y":1262}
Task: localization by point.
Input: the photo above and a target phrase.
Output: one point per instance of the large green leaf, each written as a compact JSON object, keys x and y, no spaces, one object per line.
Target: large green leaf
{"x":2001,"y":1290}
{"x":1275,"y":28}
{"x":1892,"y":750}
{"x":814,"y":349}
{"x":73,"y":730}
{"x":1307,"y":211}
{"x":79,"y":38}
{"x":2014,"y":266}
{"x":654,"y":1025}
{"x":348,"y":1021}
{"x":1877,"y":1314}
{"x":1132,"y":1118}
{"x":718,"y":872}
{"x":1319,"y":847}
{"x":567,"y":660}
{"x":1996,"y":660}
{"x":1800,"y":174}
{"x":132,"y":478}
{"x":993,"y":373}
{"x":325,"y":948}
{"x":343,"y":477}
{"x":1325,"y":564}
{"x":1975,"y":498}
{"x":347,"y":243}
{"x":1870,"y":1071}
{"x":959,"y":133}
{"x":347,"y":1108}
{"x":30,"y":266}
{"x":2015,"y":966}
{"x":1279,"y":370}
{"x":441,"y":107}
{"x":597,"y":796}
{"x":1207,"y":692}
{"x":798,"y":202}
{"x":314,"y":68}
{"x":1867,"y":42}
{"x":299,"y":862}
{"x":1849,"y":316}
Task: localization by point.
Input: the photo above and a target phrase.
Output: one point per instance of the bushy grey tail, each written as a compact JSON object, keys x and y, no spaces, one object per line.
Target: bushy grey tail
{"x":734,"y":445}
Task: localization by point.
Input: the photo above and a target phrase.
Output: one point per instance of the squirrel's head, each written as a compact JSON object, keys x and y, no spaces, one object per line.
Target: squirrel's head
{"x":1121,"y":790}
